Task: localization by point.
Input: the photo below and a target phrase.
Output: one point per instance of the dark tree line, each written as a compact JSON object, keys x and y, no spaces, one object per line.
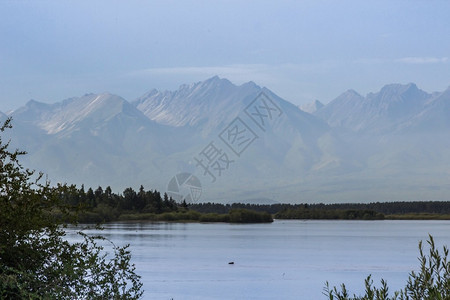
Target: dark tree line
{"x":391,"y":208}
{"x":331,"y":211}
{"x":329,"y":214}
{"x":103,"y":205}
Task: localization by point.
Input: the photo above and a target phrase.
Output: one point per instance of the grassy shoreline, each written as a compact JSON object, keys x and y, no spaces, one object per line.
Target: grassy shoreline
{"x":418,"y":216}
{"x":241,"y":213}
{"x":195,"y":217}
{"x":184,"y":216}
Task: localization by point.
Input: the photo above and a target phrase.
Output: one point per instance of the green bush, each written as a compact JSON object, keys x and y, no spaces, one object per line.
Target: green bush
{"x":431,"y":282}
{"x":36,"y":261}
{"x":248,"y":216}
{"x":138,"y":217}
{"x":213,"y":217}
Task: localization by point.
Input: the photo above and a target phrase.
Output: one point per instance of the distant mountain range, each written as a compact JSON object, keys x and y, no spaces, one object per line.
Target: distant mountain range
{"x":394,"y":107}
{"x":244,"y":143}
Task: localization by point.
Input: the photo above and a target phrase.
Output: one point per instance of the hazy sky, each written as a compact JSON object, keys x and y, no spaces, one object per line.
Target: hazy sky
{"x":302,"y":50}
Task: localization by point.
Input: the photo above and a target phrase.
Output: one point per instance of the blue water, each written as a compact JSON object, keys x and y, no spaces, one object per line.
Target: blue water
{"x":282,"y":260}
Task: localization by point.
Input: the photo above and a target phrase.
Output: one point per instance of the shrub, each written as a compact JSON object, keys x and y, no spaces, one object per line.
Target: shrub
{"x":431,"y":282}
{"x":36,"y":261}
{"x":213,"y":217}
{"x":248,"y":216}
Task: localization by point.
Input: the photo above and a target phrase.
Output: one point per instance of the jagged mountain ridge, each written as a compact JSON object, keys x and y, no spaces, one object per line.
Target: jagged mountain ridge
{"x":105,"y":140}
{"x":192,"y":104}
{"x":385,"y":151}
{"x":377,"y":112}
{"x":290,"y":147}
{"x":435,"y":115}
{"x":89,"y":138}
{"x":64,"y":117}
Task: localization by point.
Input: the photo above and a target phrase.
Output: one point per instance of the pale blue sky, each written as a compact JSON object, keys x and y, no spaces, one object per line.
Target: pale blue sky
{"x":302,"y":50}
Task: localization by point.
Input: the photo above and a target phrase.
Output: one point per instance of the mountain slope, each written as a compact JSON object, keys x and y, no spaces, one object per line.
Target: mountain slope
{"x":65,"y":117}
{"x":312,"y":107}
{"x":88,"y":139}
{"x":342,"y":110}
{"x":204,"y":105}
{"x":292,"y":144}
{"x":435,"y":115}
{"x":104,"y":140}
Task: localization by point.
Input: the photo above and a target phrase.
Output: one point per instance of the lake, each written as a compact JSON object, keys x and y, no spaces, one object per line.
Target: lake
{"x":282,"y":260}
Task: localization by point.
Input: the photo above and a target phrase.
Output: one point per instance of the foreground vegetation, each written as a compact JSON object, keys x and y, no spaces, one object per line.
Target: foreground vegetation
{"x":36,"y":261}
{"x":431,"y":282}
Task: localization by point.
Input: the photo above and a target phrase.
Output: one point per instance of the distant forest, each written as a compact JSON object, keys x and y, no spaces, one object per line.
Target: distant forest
{"x":377,"y":210}
{"x":388,"y":208}
{"x":102,"y":205}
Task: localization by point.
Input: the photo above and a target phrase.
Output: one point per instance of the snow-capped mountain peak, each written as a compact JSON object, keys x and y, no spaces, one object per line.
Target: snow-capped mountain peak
{"x":210,"y":101}
{"x":58,"y":117}
{"x":312,"y":107}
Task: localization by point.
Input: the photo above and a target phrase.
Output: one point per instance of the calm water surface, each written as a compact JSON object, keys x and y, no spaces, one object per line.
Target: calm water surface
{"x":282,"y":260}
